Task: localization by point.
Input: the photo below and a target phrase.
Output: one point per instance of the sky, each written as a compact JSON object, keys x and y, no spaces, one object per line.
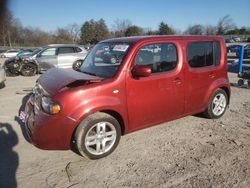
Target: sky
{"x":51,"y":14}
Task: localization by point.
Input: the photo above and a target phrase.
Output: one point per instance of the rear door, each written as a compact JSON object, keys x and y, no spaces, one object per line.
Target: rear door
{"x":203,"y":59}
{"x":160,"y":96}
{"x":66,"y":57}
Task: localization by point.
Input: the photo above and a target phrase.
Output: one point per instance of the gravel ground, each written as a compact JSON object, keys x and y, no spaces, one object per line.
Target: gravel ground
{"x":189,"y":152}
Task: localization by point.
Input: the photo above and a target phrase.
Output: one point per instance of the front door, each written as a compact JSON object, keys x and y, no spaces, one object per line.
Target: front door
{"x":47,"y":59}
{"x":159,"y":97}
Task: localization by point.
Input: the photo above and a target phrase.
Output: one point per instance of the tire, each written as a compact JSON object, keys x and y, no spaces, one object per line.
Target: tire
{"x":217,"y":104}
{"x":2,"y":85}
{"x":28,"y":69}
{"x":240,"y":82}
{"x":248,"y":84}
{"x":94,"y":145}
{"x":76,"y":65}
{"x":11,"y":73}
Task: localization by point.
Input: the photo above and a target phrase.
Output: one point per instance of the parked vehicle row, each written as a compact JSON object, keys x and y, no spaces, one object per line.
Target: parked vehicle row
{"x":236,"y":39}
{"x":235,"y":48}
{"x":9,"y":53}
{"x":42,"y":59}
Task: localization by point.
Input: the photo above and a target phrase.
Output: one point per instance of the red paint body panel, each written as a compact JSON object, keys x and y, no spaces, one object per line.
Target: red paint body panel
{"x":141,"y":102}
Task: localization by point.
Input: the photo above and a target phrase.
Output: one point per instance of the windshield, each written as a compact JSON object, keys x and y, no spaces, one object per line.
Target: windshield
{"x":23,"y":53}
{"x":37,"y":50}
{"x":105,"y":59}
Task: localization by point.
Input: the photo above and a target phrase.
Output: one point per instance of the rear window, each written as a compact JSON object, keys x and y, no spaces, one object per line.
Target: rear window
{"x":77,"y":49}
{"x":12,"y":51}
{"x":202,"y":54}
{"x":66,"y":50}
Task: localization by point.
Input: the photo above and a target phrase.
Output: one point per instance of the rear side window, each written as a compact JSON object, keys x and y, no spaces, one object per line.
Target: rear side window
{"x":12,"y":51}
{"x":66,"y":50}
{"x":161,"y":57}
{"x":77,"y":49}
{"x":202,"y":54}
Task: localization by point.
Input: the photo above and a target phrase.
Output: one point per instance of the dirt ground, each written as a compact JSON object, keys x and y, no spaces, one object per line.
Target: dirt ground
{"x":189,"y":152}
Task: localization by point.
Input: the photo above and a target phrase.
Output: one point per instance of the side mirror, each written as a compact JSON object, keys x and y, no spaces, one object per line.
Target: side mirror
{"x":141,"y":71}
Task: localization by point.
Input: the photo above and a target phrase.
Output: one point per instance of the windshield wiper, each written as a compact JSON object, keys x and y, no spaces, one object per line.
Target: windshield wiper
{"x":89,"y":73}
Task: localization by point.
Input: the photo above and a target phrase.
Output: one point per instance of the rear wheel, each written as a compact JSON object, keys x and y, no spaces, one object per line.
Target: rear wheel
{"x":217,"y":104}
{"x":97,"y":136}
{"x":2,"y":85}
{"x":28,"y":69}
{"x":248,"y":83}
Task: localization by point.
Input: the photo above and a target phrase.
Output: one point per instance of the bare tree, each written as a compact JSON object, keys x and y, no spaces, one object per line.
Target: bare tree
{"x":210,"y":30}
{"x":120,"y":26}
{"x":224,"y":25}
{"x":195,"y":30}
{"x":74,"y":31}
{"x":5,"y":28}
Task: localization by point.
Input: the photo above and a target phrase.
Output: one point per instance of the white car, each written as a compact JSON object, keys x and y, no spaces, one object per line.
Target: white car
{"x":9,"y":53}
{"x":2,"y":77}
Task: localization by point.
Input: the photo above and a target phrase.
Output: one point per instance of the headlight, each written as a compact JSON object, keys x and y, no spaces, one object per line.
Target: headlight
{"x":49,"y":106}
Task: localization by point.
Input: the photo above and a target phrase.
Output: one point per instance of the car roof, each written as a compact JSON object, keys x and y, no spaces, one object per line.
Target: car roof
{"x":62,"y":45}
{"x":150,"y":37}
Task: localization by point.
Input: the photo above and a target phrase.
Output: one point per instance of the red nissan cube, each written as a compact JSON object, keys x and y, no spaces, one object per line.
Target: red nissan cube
{"x":124,"y":85}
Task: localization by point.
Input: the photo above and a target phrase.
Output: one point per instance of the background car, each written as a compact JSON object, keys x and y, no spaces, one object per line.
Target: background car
{"x":9,"y":53}
{"x":2,"y":77}
{"x":233,"y":48}
{"x":61,"y":56}
{"x":21,"y":63}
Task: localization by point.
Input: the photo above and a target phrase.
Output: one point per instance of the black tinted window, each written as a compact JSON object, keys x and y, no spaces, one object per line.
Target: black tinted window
{"x":217,"y":53}
{"x":78,"y":49}
{"x":160,"y":57}
{"x":65,"y":50}
{"x":201,"y":54}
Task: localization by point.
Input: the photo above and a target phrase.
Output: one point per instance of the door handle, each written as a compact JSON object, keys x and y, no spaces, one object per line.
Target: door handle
{"x":177,"y":81}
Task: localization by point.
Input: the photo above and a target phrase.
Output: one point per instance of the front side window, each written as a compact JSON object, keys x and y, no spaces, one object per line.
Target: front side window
{"x":202,"y":54}
{"x":160,"y":57}
{"x":105,"y":59}
{"x":49,"y":52}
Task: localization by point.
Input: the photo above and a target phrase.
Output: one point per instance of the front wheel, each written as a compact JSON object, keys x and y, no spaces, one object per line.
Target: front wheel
{"x":217,"y":104}
{"x":98,"y":135}
{"x":28,"y":69}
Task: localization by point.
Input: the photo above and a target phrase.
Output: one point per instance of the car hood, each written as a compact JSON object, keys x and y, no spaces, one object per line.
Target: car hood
{"x":56,"y":79}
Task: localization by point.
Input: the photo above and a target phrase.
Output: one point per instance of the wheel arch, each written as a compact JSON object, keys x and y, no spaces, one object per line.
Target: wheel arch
{"x":112,"y":113}
{"x":217,"y":84}
{"x":226,"y":89}
{"x":118,"y":117}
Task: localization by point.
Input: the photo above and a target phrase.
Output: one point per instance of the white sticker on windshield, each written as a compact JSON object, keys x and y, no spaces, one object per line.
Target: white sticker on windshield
{"x":121,"y":47}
